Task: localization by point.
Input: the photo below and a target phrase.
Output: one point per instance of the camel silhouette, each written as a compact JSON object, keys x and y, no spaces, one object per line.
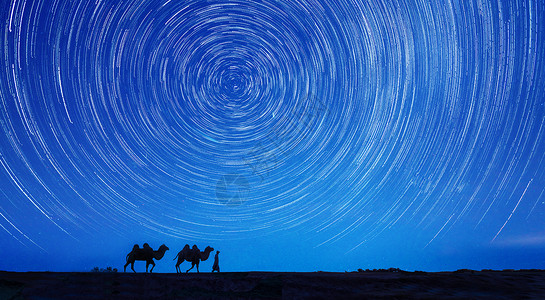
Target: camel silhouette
{"x":192,"y":255}
{"x":147,"y":254}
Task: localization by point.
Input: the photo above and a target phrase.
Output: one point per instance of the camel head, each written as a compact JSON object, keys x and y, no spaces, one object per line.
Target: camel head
{"x":163,"y":247}
{"x":204,"y":255}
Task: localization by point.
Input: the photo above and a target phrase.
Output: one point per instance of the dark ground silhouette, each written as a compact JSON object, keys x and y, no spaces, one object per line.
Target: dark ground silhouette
{"x":275,"y":285}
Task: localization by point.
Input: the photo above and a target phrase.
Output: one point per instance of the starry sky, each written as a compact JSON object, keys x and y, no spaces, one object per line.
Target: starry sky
{"x":290,"y":135}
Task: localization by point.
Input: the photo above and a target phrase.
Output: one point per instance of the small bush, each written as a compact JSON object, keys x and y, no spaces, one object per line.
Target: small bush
{"x":107,"y":270}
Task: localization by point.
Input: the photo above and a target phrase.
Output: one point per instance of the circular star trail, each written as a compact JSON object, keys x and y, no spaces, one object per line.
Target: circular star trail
{"x":335,"y":120}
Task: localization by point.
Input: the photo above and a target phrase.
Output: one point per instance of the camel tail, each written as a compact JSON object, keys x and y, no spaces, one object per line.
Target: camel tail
{"x":176,"y":256}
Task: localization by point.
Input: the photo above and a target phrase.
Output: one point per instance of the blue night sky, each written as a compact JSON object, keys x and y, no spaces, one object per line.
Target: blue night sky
{"x":290,"y":135}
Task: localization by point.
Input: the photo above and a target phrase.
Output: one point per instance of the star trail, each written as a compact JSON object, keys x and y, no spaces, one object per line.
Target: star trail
{"x":344,"y":128}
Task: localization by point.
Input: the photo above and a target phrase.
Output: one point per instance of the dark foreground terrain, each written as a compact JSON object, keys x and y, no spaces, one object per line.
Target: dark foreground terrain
{"x":526,"y":284}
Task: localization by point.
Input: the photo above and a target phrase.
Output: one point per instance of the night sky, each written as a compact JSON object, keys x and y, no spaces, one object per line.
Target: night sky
{"x":290,"y":135}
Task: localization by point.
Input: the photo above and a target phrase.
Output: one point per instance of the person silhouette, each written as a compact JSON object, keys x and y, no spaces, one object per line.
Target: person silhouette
{"x":216,"y":266}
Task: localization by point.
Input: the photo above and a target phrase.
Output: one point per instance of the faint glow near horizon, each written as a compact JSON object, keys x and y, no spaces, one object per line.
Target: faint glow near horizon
{"x":329,"y":124}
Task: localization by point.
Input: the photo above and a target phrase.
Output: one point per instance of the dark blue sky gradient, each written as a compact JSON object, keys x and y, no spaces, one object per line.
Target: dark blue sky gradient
{"x":289,"y":135}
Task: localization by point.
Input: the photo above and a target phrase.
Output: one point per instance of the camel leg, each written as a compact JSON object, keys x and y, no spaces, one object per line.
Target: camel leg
{"x":147,"y":265}
{"x":178,"y":267}
{"x":132,"y":267}
{"x":192,"y":265}
{"x":152,"y":266}
{"x":125,"y":267}
{"x":197,"y":267}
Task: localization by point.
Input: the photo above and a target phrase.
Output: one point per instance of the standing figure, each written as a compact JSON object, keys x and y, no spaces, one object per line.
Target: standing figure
{"x":216,"y":266}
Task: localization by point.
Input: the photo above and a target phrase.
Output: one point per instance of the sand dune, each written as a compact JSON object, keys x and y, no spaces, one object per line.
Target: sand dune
{"x":529,"y":284}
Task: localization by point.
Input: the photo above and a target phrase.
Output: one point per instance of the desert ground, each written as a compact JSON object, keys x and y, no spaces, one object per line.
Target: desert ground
{"x":462,"y":284}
